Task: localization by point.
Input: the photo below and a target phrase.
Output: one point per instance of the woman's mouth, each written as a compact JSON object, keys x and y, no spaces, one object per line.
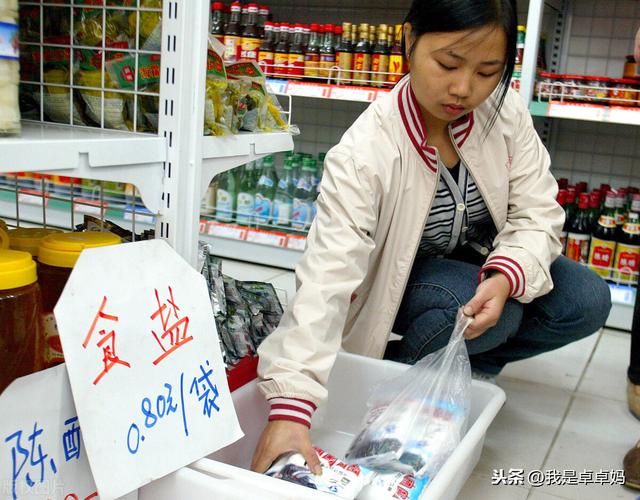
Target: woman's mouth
{"x":453,"y":109}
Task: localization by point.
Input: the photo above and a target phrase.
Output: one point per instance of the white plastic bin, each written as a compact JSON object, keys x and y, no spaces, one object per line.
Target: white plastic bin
{"x":335,"y":425}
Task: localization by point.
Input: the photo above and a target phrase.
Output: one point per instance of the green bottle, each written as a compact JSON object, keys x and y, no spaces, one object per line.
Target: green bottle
{"x":297,"y":167}
{"x":283,"y":203}
{"x":246,"y":196}
{"x":226,"y":196}
{"x":265,"y":193}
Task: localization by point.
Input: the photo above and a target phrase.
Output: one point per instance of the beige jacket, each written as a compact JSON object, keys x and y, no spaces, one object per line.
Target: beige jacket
{"x":378,"y":186}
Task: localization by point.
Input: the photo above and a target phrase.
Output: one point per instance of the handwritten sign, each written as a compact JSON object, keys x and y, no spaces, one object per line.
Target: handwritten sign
{"x":144,"y":362}
{"x":42,"y":453}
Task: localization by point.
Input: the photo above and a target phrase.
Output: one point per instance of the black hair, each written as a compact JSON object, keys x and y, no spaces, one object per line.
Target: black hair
{"x":431,"y":16}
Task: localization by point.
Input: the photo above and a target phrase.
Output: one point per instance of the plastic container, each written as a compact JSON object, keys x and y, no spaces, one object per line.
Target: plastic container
{"x":20,"y":331}
{"x":622,"y":92}
{"x":28,"y":239}
{"x":58,"y":254}
{"x":547,"y":87}
{"x":573,"y":90}
{"x":631,"y":67}
{"x":598,"y":89}
{"x":333,"y":428}
{"x":9,"y":68}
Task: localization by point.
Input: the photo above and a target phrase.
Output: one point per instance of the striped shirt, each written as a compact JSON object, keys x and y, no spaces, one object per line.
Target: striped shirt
{"x":458,"y":215}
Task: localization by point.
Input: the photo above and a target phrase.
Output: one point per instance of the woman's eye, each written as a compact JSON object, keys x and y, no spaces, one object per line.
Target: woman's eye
{"x":485,"y":75}
{"x":445,"y":67}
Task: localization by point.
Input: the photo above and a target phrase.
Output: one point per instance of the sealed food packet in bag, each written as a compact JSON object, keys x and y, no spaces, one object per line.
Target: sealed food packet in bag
{"x":338,"y":478}
{"x":415,"y":421}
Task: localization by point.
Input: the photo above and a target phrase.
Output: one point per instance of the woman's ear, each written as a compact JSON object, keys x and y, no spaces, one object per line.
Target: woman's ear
{"x":409,"y":39}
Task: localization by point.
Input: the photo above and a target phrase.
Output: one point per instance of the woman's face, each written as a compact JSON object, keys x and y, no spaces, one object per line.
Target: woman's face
{"x":453,"y":73}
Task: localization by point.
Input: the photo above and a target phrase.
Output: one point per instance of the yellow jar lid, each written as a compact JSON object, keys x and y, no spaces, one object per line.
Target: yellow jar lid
{"x":28,"y":239}
{"x":17,"y":269}
{"x":4,"y":239}
{"x":63,"y":249}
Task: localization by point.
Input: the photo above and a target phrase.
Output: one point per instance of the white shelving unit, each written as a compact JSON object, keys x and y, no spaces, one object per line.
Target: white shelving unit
{"x":171,"y":168}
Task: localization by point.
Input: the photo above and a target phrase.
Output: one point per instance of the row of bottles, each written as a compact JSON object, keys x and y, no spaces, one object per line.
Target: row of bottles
{"x":602,"y":230}
{"x":348,"y":53}
{"x":255,"y":195}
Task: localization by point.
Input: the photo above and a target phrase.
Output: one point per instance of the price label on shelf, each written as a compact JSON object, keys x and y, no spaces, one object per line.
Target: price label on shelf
{"x":142,"y":214}
{"x":42,"y":453}
{"x":277,"y":86}
{"x":32,"y":197}
{"x":295,"y":242}
{"x":144,"y":362}
{"x":354,"y":94}
{"x":629,"y":116}
{"x":230,"y":231}
{"x":308,"y":90}
{"x":267,"y":238}
{"x":587,"y":112}
{"x":90,"y":207}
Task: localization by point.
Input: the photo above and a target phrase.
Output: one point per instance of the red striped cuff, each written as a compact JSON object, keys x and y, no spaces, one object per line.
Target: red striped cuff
{"x":292,"y":409}
{"x":511,"y":269}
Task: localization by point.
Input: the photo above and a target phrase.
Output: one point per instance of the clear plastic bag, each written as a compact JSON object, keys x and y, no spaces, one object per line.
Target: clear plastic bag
{"x":416,"y":420}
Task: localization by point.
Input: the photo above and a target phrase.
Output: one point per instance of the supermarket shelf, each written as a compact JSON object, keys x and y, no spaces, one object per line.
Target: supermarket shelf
{"x":325,"y":90}
{"x":586,"y":112}
{"x":90,"y":154}
{"x":226,"y":152}
{"x":623,"y":299}
{"x":239,"y":246}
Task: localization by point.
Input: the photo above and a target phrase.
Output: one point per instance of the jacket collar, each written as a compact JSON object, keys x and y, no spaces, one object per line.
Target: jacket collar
{"x":414,"y":126}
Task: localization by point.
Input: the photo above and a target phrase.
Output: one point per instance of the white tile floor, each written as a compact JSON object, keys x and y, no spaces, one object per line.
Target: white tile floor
{"x":565,"y":410}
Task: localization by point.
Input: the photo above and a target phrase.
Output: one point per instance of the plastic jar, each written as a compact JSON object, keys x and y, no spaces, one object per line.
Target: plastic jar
{"x":58,"y":254}
{"x":28,"y":239}
{"x":20,"y":327}
{"x":622,"y":92}
{"x":547,"y":88}
{"x":573,"y":92}
{"x":598,"y":89}
{"x":9,"y":68}
{"x":631,"y":67}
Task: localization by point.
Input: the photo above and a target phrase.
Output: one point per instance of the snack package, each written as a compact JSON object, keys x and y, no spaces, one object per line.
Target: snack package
{"x":87,"y":25}
{"x":416,"y":420}
{"x":150,"y":25}
{"x":339,"y":478}
{"x":218,"y":114}
{"x":393,"y":486}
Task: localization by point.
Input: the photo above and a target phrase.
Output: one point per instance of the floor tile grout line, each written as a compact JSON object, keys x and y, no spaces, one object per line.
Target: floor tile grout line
{"x":572,"y":398}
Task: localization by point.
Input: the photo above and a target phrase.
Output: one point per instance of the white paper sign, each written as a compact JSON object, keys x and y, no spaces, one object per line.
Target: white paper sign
{"x":42,"y":453}
{"x":144,"y":362}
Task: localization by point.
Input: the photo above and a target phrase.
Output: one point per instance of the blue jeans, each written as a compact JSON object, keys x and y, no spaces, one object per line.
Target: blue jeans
{"x":577,"y":307}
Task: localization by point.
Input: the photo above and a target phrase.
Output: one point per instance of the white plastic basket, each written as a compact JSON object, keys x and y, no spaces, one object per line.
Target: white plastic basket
{"x":226,"y":471}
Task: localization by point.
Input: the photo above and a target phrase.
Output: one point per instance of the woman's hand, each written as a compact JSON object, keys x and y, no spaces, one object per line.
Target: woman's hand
{"x":280,"y":437}
{"x":487,"y":304}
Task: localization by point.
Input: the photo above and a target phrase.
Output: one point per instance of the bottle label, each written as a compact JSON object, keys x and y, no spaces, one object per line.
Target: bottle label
{"x":262,"y":209}
{"x":9,"y":48}
{"x":265,"y":60}
{"x":303,"y":184}
{"x":563,"y":241}
{"x":224,"y":206}
{"x":300,"y":214}
{"x":627,"y":263}
{"x":380,"y":66}
{"x":396,"y":67}
{"x":620,"y":218}
{"x":282,"y":184}
{"x":265,"y":181}
{"x":250,"y":48}
{"x":601,"y":256}
{"x":578,"y":247}
{"x":245,"y":208}
{"x":327,"y":61}
{"x":296,"y":64}
{"x":632,"y":228}
{"x":311,"y":64}
{"x":282,"y":212}
{"x":231,"y":44}
{"x":607,"y":221}
{"x":346,"y":65}
{"x":52,"y":344}
{"x":362,"y":66}
{"x":281,"y":63}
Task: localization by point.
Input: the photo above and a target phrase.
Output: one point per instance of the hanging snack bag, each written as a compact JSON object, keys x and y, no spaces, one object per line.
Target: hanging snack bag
{"x":218,"y":114}
{"x":150,"y":25}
